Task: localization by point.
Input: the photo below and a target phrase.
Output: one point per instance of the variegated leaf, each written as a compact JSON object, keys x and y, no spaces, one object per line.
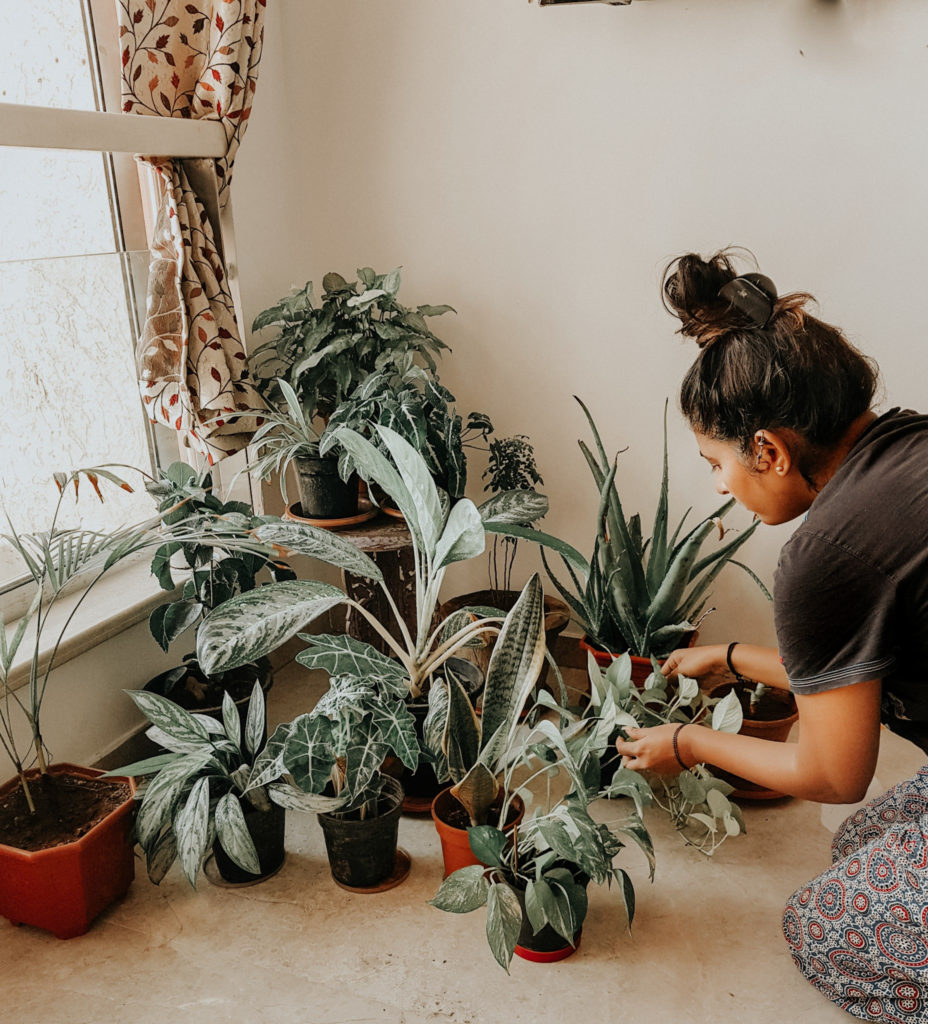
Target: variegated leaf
{"x":325,"y":545}
{"x":161,"y":856}
{"x":396,"y":727}
{"x":252,"y":624}
{"x":191,"y":830}
{"x":504,"y":922}
{"x":344,"y":655}
{"x":293,"y":800}
{"x":162,"y":795}
{"x":463,"y":536}
{"x":231,"y":720}
{"x":308,"y":753}
{"x":419,"y":485}
{"x":463,"y":890}
{"x":169,"y":717}
{"x":516,"y":507}
{"x":233,"y":835}
{"x":434,"y":726}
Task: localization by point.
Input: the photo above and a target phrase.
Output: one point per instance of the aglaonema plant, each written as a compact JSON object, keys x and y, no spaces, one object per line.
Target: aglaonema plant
{"x":253,"y":624}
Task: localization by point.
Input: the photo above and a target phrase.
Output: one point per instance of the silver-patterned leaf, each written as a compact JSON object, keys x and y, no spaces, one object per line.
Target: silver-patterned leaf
{"x":516,"y":507}
{"x":191,"y":830}
{"x":434,"y":726}
{"x":325,"y":545}
{"x":463,"y":536}
{"x":344,"y":655}
{"x":293,"y":800}
{"x":231,"y":719}
{"x":462,"y":891}
{"x":163,"y":794}
{"x":419,"y":485}
{"x":308,"y":754}
{"x":233,"y":835}
{"x":169,"y":717}
{"x":255,"y":720}
{"x":255,"y":623}
{"x":160,"y":857}
{"x":504,"y":922}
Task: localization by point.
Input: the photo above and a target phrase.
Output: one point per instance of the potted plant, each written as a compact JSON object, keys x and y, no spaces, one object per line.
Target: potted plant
{"x":217,"y":572}
{"x":471,"y":750}
{"x":61,"y":878}
{"x":336,"y":752}
{"x":646,"y":597}
{"x":511,"y":468}
{"x":253,"y":624}
{"x":213,"y":793}
{"x":411,"y":402}
{"x":534,"y":884}
{"x":696,"y":801}
{"x":323,"y":352}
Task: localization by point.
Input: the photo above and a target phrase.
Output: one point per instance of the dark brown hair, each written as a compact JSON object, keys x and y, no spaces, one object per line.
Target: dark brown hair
{"x":794,"y":372}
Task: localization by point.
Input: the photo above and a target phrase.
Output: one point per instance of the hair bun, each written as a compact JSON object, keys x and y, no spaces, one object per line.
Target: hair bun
{"x":692,"y":290}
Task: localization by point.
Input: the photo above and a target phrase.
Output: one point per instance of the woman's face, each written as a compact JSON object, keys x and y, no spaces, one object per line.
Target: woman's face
{"x":772,"y":487}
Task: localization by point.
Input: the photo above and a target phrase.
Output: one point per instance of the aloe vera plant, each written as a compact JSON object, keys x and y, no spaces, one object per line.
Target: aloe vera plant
{"x":643,"y":596}
{"x":251,"y":625}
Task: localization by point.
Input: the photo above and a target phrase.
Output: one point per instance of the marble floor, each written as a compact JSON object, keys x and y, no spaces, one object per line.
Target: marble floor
{"x":706,"y":943}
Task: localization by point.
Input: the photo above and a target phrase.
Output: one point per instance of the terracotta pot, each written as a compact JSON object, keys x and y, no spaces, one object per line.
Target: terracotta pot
{"x":777,"y":715}
{"x":62,"y":889}
{"x":455,"y":845}
{"x":557,"y":615}
{"x":641,"y":667}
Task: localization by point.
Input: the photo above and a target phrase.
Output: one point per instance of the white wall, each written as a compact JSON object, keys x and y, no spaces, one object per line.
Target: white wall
{"x":536,"y":168}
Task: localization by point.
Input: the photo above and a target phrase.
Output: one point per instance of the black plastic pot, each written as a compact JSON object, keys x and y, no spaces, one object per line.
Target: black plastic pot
{"x":547,"y":945}
{"x":323,"y":493}
{"x":362,"y":853}
{"x":266,"y":829}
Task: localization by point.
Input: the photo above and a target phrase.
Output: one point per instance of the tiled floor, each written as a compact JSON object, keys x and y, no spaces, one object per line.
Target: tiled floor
{"x":706,"y":944}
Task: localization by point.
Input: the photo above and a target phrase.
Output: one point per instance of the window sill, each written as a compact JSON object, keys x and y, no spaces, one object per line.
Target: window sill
{"x":118,"y":601}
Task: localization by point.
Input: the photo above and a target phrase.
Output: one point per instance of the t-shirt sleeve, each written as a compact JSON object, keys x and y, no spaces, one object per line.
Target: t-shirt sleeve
{"x":834,"y":615}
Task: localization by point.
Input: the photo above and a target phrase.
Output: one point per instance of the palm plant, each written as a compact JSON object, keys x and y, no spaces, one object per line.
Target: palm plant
{"x":56,"y":559}
{"x":633,"y":594}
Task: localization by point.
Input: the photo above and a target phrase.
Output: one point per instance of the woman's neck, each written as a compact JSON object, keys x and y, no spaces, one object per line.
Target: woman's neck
{"x":840,"y":452}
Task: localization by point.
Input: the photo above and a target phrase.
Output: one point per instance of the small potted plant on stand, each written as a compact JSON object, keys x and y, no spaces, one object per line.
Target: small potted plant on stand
{"x":320,"y":355}
{"x":65,"y":853}
{"x":644,"y":597}
{"x":511,"y":469}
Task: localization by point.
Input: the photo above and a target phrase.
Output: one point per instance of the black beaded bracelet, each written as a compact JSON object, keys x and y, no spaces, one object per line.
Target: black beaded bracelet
{"x":739,"y":678}
{"x":676,"y":748}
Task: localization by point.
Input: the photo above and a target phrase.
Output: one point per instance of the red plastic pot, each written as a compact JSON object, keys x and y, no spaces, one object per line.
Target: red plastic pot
{"x":64,"y":888}
{"x":455,"y":846}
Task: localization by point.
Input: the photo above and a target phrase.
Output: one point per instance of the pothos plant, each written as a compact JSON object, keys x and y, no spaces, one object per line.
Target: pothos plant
{"x":643,"y":596}
{"x":253,"y":624}
{"x":695,"y":800}
{"x":539,"y":871}
{"x":55,"y":561}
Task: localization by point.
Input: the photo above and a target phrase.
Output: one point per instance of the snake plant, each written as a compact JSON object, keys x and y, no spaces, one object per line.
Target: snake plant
{"x":643,"y":596}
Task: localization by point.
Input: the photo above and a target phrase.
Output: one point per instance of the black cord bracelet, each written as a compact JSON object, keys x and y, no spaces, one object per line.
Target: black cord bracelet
{"x":739,"y":678}
{"x":676,"y":747}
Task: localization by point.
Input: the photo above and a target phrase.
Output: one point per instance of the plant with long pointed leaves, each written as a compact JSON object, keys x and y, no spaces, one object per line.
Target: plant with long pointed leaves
{"x":54,"y":560}
{"x":212,"y":772}
{"x":545,"y":863}
{"x":472,"y":750}
{"x":644,"y":596}
{"x":695,"y":800}
{"x":251,"y":625}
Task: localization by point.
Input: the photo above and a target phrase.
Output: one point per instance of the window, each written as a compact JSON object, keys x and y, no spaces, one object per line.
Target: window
{"x":73,"y":263}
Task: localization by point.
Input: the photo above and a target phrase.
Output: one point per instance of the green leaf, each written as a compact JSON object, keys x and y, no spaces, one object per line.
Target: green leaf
{"x":462,"y":891}
{"x":570,"y":554}
{"x":504,"y":922}
{"x":178,"y":617}
{"x":627,"y":892}
{"x":476,"y":791}
{"x":344,"y":655}
{"x":419,"y":485}
{"x":434,"y":726}
{"x":191,"y":830}
{"x":255,"y":623}
{"x":487,"y":844}
{"x":463,"y":536}
{"x":727,"y":715}
{"x":233,"y":834}
{"x":170,"y":718}
{"x":160,"y":857}
{"x":255,"y":720}
{"x":460,"y":742}
{"x":326,"y":545}
{"x":308,"y":753}
{"x":538,"y":895}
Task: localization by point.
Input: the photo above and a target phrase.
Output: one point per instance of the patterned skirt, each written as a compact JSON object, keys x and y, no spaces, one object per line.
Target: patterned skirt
{"x":859,"y":932}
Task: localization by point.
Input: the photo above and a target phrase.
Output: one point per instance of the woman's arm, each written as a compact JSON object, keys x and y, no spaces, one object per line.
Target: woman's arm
{"x":760,"y":664}
{"x":833,"y":762}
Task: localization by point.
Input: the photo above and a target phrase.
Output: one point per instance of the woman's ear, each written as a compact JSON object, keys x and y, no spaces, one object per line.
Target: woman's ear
{"x":771,"y":453}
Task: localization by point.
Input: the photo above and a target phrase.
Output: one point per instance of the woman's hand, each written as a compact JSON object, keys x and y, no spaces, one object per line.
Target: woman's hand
{"x":651,"y":750}
{"x":696,"y":662}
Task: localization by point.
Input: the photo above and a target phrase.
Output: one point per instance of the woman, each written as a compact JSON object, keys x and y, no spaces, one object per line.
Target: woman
{"x":780,"y":404}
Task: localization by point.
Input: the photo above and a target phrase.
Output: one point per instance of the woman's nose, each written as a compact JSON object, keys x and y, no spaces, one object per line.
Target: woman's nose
{"x":720,"y":487}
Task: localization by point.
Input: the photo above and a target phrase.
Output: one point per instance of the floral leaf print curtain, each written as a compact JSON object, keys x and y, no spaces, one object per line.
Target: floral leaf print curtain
{"x":192,"y":60}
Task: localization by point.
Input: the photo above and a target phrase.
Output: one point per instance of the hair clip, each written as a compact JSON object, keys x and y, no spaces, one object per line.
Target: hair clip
{"x":754,"y":295}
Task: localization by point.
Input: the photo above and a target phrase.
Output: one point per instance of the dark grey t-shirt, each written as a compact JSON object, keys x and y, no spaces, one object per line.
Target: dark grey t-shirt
{"x":851,"y":586}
